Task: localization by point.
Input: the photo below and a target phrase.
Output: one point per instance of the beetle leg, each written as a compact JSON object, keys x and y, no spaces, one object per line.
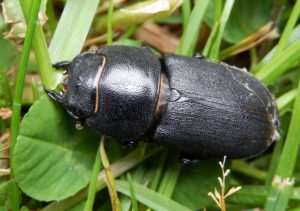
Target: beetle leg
{"x":128,"y":144}
{"x":59,"y":65}
{"x":199,"y":56}
{"x":188,"y":160}
{"x":54,"y":95}
{"x":79,"y":124}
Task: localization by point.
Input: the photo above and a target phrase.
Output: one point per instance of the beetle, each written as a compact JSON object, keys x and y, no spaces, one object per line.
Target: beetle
{"x":201,"y":108}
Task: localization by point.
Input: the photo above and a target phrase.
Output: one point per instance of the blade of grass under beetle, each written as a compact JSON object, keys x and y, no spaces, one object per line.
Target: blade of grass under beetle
{"x":191,"y":33}
{"x":245,"y":168}
{"x":171,"y":174}
{"x":18,"y":93}
{"x":132,"y":193}
{"x":149,"y":197}
{"x":283,"y":182}
{"x":72,"y":29}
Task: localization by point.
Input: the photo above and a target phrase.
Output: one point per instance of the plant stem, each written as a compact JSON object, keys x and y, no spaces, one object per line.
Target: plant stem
{"x":15,"y":122}
{"x":109,"y":23}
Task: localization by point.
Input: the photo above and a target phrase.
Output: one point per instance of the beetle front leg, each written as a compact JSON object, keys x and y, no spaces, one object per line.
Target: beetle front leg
{"x":54,"y":95}
{"x":61,"y":65}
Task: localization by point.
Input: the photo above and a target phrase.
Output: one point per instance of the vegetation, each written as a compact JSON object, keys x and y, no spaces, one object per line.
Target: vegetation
{"x":46,"y":164}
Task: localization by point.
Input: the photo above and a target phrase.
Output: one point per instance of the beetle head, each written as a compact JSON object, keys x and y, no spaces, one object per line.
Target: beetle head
{"x":81,"y":80}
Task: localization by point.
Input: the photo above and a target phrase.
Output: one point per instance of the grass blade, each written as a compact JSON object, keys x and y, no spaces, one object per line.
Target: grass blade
{"x":288,"y":30}
{"x":16,"y":107}
{"x":270,"y":72}
{"x":49,"y":78}
{"x":212,"y":46}
{"x":282,"y":182}
{"x":72,"y":29}
{"x":149,"y":197}
{"x":109,"y":23}
{"x":191,"y":33}
{"x":109,"y":178}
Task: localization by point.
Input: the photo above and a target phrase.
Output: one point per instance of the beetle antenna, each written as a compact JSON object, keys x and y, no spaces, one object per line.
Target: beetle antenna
{"x":61,"y":65}
{"x":54,"y":95}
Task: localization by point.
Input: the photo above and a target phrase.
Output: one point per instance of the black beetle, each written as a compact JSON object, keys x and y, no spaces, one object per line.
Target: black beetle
{"x":191,"y":104}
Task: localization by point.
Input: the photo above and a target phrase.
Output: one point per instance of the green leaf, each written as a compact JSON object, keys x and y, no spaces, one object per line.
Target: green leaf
{"x":240,"y":25}
{"x":9,"y":54}
{"x":4,"y":195}
{"x":149,"y":197}
{"x":51,"y":159}
{"x":195,"y":182}
{"x":254,"y":195}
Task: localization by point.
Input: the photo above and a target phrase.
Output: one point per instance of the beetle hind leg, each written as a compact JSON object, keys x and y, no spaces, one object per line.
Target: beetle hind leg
{"x":54,"y":95}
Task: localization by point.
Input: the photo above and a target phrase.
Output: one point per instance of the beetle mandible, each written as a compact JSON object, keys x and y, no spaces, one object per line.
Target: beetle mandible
{"x":198,"y":107}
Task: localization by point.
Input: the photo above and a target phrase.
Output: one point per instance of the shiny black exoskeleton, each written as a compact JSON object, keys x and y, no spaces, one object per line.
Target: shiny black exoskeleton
{"x":193,"y":105}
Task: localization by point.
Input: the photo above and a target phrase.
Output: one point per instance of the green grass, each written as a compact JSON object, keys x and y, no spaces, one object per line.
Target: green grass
{"x":147,"y":177}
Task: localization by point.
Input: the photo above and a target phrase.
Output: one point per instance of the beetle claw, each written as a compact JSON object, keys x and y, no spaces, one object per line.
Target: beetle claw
{"x":79,"y":125}
{"x":188,"y":160}
{"x":128,"y":144}
{"x":63,"y":65}
{"x":54,"y":95}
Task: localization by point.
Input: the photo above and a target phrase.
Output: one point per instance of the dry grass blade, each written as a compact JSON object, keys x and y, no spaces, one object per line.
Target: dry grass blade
{"x":267,"y":32}
{"x":157,"y":37}
{"x":109,"y":180}
{"x":5,"y":113}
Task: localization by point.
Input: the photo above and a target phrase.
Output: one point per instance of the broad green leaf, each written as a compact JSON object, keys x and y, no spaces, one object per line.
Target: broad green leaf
{"x":13,"y":15}
{"x":195,"y":182}
{"x":246,"y":18}
{"x":51,"y":159}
